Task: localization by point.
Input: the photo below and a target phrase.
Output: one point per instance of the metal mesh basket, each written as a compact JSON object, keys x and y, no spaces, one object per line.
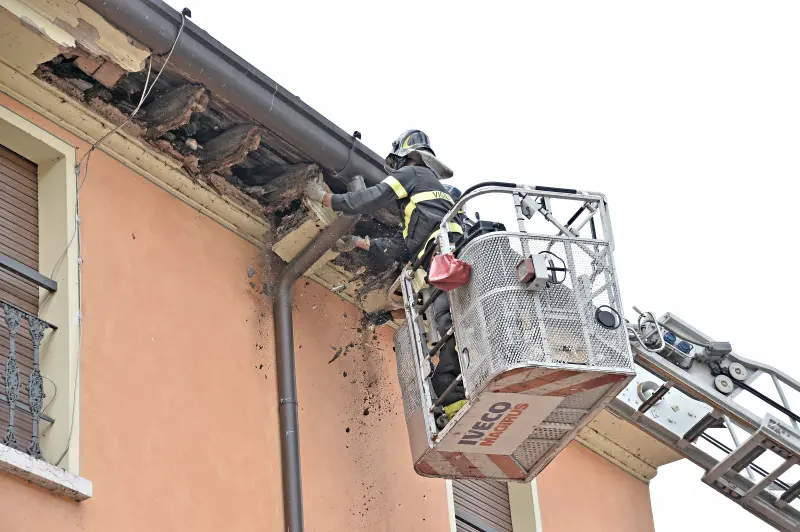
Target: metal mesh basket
{"x":531,"y":451}
{"x":406,"y":372}
{"x":569,"y":413}
{"x":501,"y":325}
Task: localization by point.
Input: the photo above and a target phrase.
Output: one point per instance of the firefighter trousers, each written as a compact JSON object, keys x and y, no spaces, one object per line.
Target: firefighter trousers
{"x":448,"y":368}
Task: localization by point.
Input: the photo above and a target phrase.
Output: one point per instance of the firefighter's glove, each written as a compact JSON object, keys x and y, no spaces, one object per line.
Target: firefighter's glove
{"x":315,"y":191}
{"x":349,"y":243}
{"x":346,"y":243}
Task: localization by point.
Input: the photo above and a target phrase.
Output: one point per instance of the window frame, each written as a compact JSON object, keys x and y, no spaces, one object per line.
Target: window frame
{"x":59,"y":235}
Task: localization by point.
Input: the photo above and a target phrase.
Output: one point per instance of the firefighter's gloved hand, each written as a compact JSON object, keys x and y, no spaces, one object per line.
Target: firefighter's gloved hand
{"x":349,"y":243}
{"x":314,"y":190}
{"x":346,"y":243}
{"x":363,"y":243}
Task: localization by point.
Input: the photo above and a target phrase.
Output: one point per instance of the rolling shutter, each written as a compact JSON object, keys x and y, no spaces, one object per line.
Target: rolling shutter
{"x":481,"y":506}
{"x":19,"y":239}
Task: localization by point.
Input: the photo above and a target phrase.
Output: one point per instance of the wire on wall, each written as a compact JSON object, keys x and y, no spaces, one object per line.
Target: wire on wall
{"x":79,"y":182}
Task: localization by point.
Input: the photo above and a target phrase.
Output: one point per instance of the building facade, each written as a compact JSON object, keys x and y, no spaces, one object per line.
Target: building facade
{"x":137,"y":281}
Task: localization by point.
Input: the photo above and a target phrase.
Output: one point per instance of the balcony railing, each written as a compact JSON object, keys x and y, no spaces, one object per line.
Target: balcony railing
{"x":18,"y":321}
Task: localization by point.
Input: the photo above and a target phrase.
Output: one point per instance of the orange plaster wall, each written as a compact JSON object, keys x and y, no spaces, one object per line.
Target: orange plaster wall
{"x":179,"y":426}
{"x":581,"y":492}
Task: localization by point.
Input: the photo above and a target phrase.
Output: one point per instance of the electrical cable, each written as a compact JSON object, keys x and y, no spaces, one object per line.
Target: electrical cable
{"x":648,"y":317}
{"x":145,"y":93}
{"x":356,"y":135}
{"x":554,"y":270}
{"x":78,"y":184}
{"x":632,"y":330}
{"x":71,"y":238}
{"x":55,"y":393}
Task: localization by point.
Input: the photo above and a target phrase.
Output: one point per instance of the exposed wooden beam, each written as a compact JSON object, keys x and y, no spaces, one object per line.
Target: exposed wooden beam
{"x":229,"y":148}
{"x":221,"y":185}
{"x":278,"y":186}
{"x":174,"y":109}
{"x":261,"y":175}
{"x":279,"y":192}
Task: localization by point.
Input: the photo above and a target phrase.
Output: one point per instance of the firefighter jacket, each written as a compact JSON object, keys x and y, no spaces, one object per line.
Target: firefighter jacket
{"x":420,"y":196}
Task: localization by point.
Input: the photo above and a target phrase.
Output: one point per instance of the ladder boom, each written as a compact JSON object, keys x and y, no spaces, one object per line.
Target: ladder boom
{"x":687,"y":385}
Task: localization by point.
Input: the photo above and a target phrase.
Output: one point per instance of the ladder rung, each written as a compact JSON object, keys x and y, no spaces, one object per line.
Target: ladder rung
{"x":769,"y":479}
{"x":707,"y":422}
{"x":788,"y":496}
{"x":748,"y":459}
{"x":446,"y":338}
{"x":446,"y":392}
{"x":734,"y":458}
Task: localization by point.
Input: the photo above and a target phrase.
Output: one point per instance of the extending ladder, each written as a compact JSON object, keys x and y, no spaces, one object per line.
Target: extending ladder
{"x":687,"y":386}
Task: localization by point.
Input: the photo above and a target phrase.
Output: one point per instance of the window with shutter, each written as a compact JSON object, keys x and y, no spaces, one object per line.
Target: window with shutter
{"x":481,"y":506}
{"x":39,"y":263}
{"x":19,"y":240}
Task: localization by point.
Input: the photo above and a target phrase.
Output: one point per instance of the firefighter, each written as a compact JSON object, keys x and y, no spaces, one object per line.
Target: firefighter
{"x":414,"y":185}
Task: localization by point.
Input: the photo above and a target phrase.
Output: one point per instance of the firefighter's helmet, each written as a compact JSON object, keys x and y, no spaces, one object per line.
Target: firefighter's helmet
{"x":415,"y":141}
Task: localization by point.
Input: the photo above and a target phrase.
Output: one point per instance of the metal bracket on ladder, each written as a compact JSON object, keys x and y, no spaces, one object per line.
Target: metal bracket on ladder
{"x":652,"y":399}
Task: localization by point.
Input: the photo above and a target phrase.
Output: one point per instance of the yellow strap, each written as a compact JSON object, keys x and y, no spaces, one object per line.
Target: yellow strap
{"x":454,"y":228}
{"x":453,"y":408}
{"x":398,"y":188}
{"x":419,"y":198}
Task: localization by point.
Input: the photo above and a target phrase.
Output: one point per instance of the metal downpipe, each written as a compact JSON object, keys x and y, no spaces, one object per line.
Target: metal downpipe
{"x":284,"y":354}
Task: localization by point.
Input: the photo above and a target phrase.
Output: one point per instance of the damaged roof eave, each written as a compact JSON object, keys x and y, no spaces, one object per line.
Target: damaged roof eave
{"x":233,"y":80}
{"x":202,"y":74}
{"x":71,"y":25}
{"x":132,"y":152}
{"x":228,"y":76}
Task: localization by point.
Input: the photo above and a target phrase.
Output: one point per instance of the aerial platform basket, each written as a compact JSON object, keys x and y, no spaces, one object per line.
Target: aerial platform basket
{"x":539,"y":332}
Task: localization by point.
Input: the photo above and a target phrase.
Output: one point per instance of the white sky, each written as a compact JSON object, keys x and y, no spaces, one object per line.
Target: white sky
{"x":685,"y":114}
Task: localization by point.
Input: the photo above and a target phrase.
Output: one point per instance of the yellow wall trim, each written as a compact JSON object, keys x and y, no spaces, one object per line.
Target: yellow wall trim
{"x":526,"y":515}
{"x":616,"y":454}
{"x":622,"y":444}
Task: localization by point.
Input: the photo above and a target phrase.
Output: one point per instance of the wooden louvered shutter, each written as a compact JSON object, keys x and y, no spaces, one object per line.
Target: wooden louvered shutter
{"x":481,"y":506}
{"x":19,"y":239}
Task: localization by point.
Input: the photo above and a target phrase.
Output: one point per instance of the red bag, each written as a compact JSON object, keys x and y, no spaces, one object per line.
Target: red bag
{"x":448,"y":272}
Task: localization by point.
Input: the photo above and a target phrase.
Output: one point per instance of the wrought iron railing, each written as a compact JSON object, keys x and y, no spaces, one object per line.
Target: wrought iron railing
{"x":14,"y":318}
